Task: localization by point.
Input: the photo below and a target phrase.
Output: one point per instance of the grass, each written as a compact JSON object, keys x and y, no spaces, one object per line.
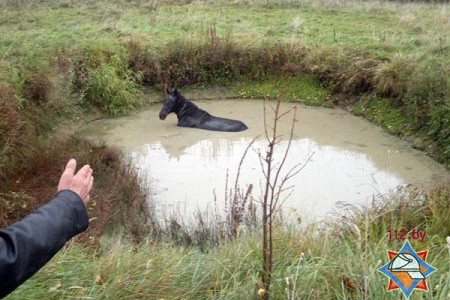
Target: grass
{"x":383,"y":112}
{"x":30,"y":179}
{"x":385,"y":27}
{"x":106,"y":82}
{"x":302,"y":89}
{"x":62,"y":59}
{"x":338,"y":262}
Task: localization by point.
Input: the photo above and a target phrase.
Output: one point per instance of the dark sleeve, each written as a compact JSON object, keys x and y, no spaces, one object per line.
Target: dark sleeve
{"x":29,"y":244}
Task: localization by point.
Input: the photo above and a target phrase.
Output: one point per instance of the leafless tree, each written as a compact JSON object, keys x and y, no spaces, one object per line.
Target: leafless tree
{"x":275,"y":189}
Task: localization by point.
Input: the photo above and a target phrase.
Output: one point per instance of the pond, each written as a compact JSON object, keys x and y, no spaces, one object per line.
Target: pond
{"x":344,"y":158}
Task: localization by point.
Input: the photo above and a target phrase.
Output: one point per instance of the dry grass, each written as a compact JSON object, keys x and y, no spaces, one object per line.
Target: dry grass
{"x":117,"y":198}
{"x":392,"y":78}
{"x":10,"y":125}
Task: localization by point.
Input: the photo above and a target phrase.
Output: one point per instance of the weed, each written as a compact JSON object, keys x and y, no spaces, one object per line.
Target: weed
{"x":37,"y":87}
{"x":391,"y":78}
{"x":336,"y":261}
{"x":439,"y":130}
{"x":141,"y":61}
{"x":108,"y":83}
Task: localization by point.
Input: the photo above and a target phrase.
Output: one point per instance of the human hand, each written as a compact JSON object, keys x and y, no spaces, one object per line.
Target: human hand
{"x":80,"y":183}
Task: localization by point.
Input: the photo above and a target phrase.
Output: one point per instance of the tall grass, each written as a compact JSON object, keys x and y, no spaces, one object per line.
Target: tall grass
{"x":336,"y":261}
{"x":385,"y":60}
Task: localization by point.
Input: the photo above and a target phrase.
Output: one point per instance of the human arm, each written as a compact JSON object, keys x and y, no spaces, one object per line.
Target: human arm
{"x":29,"y":244}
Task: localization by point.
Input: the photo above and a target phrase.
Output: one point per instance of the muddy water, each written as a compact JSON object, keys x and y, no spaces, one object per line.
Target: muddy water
{"x":344,"y":158}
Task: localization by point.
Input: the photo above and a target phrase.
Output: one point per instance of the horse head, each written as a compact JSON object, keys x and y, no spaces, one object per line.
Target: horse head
{"x":170,"y":103}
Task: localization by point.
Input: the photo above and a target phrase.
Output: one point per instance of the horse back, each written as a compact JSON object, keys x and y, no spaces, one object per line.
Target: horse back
{"x":221,"y":124}
{"x":194,"y":118}
{"x":191,"y":116}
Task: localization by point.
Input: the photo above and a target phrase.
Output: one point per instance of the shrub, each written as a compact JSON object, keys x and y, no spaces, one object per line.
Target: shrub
{"x":429,"y":88}
{"x":111,"y":90}
{"x":221,"y":58}
{"x":106,"y":82}
{"x":327,"y":63}
{"x":141,"y":61}
{"x":439,"y":130}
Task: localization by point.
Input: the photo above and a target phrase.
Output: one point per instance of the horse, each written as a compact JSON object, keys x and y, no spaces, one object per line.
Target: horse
{"x":190,"y":115}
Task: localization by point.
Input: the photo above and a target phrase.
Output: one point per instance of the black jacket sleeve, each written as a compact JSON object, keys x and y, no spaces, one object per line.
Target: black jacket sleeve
{"x":29,"y":244}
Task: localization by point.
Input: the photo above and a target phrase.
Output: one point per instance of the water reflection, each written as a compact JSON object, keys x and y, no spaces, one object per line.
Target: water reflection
{"x":187,"y":180}
{"x":352,"y":161}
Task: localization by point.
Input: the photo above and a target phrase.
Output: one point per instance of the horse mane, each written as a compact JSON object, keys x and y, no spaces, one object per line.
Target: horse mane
{"x":187,"y":107}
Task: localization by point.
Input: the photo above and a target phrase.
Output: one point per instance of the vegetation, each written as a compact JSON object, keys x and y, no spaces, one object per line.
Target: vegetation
{"x":35,"y":173}
{"x":102,"y":54}
{"x":63,"y":60}
{"x":337,"y":260}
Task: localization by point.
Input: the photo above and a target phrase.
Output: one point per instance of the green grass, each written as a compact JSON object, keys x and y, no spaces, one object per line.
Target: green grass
{"x":385,"y":61}
{"x":336,"y":261}
{"x":386,"y":29}
{"x":381,"y":111}
{"x":341,"y":262}
{"x":302,"y":89}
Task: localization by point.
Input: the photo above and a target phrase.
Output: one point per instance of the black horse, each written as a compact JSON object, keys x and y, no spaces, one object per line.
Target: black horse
{"x":189,"y":115}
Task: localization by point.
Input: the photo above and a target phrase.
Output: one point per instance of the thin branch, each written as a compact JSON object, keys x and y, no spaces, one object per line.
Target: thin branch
{"x":291,"y":134}
{"x":286,"y":112}
{"x":291,"y":173}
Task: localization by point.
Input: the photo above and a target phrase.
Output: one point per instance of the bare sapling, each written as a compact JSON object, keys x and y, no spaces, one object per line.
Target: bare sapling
{"x":275,"y":181}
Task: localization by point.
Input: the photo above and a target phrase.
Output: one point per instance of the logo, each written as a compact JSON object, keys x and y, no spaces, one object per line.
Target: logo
{"x":407,"y":270}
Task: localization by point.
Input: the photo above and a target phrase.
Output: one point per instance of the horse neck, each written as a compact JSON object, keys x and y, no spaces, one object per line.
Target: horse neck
{"x":185,"y":108}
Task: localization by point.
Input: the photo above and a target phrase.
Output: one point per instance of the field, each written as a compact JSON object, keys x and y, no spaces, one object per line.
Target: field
{"x":65,"y":62}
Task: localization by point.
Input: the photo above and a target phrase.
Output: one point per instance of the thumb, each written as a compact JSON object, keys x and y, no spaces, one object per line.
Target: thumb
{"x":67,"y":174}
{"x":71,"y":167}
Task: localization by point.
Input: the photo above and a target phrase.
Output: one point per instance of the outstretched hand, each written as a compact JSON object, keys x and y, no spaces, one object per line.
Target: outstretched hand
{"x":80,"y":183}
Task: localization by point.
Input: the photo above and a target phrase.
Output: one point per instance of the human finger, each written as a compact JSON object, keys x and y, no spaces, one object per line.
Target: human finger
{"x":84,"y":172}
{"x":90,"y":183}
{"x":70,"y":167}
{"x":67,"y":175}
{"x":89,"y":188}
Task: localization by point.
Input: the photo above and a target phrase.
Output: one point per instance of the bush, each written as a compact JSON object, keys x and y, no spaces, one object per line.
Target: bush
{"x":141,"y":61}
{"x":106,"y":82}
{"x":37,"y":86}
{"x":429,"y":88}
{"x":112,"y":90}
{"x":439,"y":130}
{"x":223,"y":59}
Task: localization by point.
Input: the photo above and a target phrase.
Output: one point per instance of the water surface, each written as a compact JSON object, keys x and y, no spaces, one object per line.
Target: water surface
{"x":344,"y":158}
